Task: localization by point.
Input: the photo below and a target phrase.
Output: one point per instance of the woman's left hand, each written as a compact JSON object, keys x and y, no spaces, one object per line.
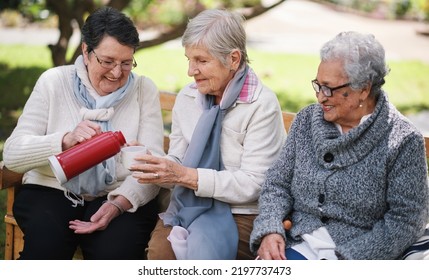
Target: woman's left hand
{"x":157,"y":170}
{"x":99,"y":221}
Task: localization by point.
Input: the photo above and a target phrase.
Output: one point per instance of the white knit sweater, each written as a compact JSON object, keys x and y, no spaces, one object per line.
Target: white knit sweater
{"x":52,"y":110}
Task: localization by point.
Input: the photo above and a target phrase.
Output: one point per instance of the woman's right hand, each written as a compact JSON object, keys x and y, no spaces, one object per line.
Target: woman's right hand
{"x":272,"y":247}
{"x":83,"y":131}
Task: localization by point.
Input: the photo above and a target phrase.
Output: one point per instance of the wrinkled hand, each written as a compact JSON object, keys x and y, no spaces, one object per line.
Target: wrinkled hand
{"x":99,"y":221}
{"x":83,"y":131}
{"x":157,"y":170}
{"x":272,"y":247}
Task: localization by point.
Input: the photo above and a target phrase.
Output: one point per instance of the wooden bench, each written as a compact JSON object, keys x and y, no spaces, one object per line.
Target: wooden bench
{"x":11,"y":181}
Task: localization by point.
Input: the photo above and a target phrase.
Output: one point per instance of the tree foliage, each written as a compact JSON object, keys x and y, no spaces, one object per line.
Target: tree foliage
{"x":166,"y":18}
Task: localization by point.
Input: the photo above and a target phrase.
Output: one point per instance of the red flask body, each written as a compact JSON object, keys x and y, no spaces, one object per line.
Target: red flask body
{"x":85,"y":155}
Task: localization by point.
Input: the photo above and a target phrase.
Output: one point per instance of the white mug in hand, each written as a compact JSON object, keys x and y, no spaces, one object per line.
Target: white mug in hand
{"x":128,"y":155}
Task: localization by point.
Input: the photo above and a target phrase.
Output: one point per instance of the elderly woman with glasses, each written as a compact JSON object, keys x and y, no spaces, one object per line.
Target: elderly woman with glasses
{"x":104,"y":211}
{"x":352,"y":175}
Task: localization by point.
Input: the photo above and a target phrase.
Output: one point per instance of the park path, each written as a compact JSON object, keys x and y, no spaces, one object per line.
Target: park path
{"x":301,"y":26}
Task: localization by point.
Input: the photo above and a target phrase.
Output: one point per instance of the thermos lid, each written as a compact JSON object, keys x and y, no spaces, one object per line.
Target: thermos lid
{"x":57,"y":169}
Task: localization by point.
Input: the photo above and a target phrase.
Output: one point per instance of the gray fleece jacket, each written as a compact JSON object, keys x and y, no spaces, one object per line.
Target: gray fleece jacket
{"x":368,"y":187}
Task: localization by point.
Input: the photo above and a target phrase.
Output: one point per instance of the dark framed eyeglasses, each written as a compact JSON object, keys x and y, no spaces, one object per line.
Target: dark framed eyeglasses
{"x":125,"y":66}
{"x":327,"y":91}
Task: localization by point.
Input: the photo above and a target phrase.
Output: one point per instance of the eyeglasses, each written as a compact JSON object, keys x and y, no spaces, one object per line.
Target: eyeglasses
{"x":327,"y":91}
{"x":125,"y":66}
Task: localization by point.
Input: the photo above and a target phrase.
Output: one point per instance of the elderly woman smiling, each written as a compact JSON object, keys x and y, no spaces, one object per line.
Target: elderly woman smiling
{"x":352,"y":175}
{"x":104,"y":210}
{"x":226,"y":131}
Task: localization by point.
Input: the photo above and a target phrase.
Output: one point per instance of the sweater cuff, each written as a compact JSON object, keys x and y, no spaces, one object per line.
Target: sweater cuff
{"x":136,"y":193}
{"x":205,"y":183}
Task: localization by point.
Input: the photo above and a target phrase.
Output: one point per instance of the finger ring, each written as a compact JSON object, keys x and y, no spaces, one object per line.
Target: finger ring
{"x":156,"y":175}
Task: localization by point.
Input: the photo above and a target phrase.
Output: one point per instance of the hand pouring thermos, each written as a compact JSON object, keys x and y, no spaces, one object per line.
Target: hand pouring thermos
{"x":85,"y":155}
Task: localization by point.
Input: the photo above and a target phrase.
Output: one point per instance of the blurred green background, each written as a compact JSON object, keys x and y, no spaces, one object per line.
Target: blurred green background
{"x":288,"y":74}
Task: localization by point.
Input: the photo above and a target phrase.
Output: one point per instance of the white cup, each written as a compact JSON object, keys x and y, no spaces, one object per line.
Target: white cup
{"x":129,"y":153}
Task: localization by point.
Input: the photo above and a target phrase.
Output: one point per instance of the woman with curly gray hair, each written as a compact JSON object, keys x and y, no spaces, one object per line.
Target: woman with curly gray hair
{"x":352,"y":176}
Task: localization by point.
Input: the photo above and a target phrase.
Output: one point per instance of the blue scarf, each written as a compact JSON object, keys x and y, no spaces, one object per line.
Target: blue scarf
{"x":212,"y":232}
{"x":100,"y":110}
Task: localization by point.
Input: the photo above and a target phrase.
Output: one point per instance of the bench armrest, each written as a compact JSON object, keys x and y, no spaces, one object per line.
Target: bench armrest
{"x":9,"y":178}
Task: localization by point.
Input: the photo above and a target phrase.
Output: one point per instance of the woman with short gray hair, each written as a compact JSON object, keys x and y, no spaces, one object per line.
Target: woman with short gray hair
{"x":227,"y":130}
{"x":352,"y":176}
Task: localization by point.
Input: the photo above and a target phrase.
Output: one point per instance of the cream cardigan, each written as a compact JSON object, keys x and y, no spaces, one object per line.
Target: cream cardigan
{"x":251,"y":139}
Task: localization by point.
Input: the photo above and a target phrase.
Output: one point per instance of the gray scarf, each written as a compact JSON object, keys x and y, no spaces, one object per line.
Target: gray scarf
{"x":95,"y":180}
{"x":207,"y":219}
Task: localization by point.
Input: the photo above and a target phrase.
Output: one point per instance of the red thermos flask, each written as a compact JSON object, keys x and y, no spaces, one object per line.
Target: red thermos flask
{"x":85,"y":155}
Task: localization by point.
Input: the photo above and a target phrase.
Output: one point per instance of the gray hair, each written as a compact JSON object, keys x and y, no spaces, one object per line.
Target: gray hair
{"x":219,"y":31}
{"x":363,"y":57}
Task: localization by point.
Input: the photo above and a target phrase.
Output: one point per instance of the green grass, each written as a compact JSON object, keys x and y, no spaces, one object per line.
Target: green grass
{"x":289,"y":75}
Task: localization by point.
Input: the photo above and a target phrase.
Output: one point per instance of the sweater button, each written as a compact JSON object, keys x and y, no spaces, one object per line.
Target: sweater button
{"x":321,"y":198}
{"x":328,"y":157}
{"x":324,"y":219}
